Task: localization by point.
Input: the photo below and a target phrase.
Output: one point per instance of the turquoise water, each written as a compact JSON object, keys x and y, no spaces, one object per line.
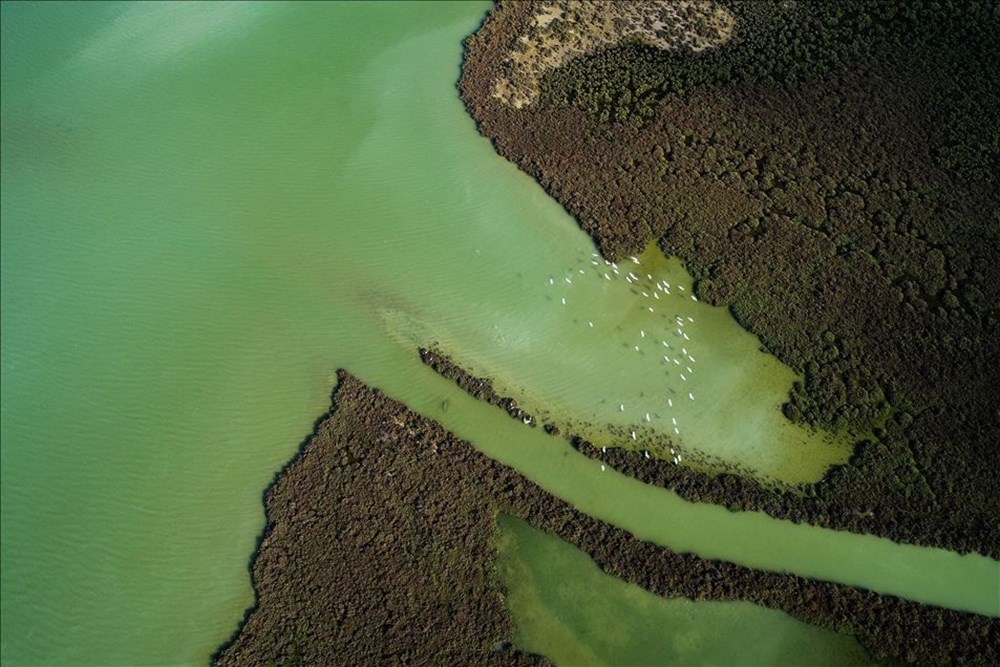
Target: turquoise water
{"x":207,"y":209}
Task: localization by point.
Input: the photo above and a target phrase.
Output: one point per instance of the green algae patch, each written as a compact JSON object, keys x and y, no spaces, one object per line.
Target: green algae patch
{"x":568,"y":610}
{"x":633,"y":359}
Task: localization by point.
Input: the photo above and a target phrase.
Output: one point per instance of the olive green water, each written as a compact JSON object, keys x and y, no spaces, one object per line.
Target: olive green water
{"x":644,"y":365}
{"x":207,"y":209}
{"x":568,"y":610}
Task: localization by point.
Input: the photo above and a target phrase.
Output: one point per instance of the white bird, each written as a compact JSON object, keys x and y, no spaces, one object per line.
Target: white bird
{"x":665,"y":344}
{"x":678,"y":458}
{"x":647,"y":416}
{"x":621,"y":407}
{"x":591,"y":324}
{"x":636,"y":348}
{"x":581,"y":271}
{"x":642,"y":333}
{"x":684,"y":350}
{"x":564,"y":301}
{"x":677,"y":362}
{"x":674,"y":420}
{"x":606,"y":276}
{"x":646,"y":294}
{"x":634,"y":259}
{"x":691,"y":358}
{"x":689,"y":369}
{"x":552,"y":281}
{"x":686,"y":337}
{"x":670,"y":402}
{"x":683,"y":378}
{"x":680,"y":287}
{"x":646,"y":452}
{"x":656,"y":296}
{"x":602,"y":467}
{"x":676,"y":431}
{"x":690,"y":395}
{"x":604,"y":449}
{"x":649,"y":276}
{"x":666,"y":358}
{"x":690,"y":319}
{"x":568,"y":280}
{"x":633,"y":435}
{"x":694,"y":298}
{"x":650,"y":309}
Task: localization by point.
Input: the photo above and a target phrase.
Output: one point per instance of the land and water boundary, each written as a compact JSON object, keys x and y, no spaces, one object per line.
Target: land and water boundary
{"x":828,"y":173}
{"x":379,"y":547}
{"x":841,"y":500}
{"x":838,"y":201}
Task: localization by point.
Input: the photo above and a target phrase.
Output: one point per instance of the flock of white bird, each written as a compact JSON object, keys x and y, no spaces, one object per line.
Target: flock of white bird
{"x":674,"y":338}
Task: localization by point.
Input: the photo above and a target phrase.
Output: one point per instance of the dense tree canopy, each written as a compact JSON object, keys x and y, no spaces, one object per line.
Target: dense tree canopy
{"x":829,"y":175}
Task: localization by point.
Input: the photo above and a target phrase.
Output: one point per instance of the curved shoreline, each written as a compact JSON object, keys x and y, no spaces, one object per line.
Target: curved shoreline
{"x":891,"y":628}
{"x":412,"y":462}
{"x":908,"y":354}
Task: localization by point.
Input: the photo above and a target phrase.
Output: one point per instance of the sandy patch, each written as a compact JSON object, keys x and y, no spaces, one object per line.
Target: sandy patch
{"x":560,"y":31}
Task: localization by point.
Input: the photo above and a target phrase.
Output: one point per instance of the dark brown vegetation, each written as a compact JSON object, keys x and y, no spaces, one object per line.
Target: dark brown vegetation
{"x":378,"y":550}
{"x":480,"y":388}
{"x":831,"y":175}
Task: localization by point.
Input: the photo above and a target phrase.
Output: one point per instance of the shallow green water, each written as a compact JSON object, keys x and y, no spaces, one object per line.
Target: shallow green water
{"x":207,"y":209}
{"x":644,"y":365}
{"x":568,"y":610}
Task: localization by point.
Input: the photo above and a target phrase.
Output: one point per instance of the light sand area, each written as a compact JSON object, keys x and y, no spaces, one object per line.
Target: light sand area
{"x":561,"y":30}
